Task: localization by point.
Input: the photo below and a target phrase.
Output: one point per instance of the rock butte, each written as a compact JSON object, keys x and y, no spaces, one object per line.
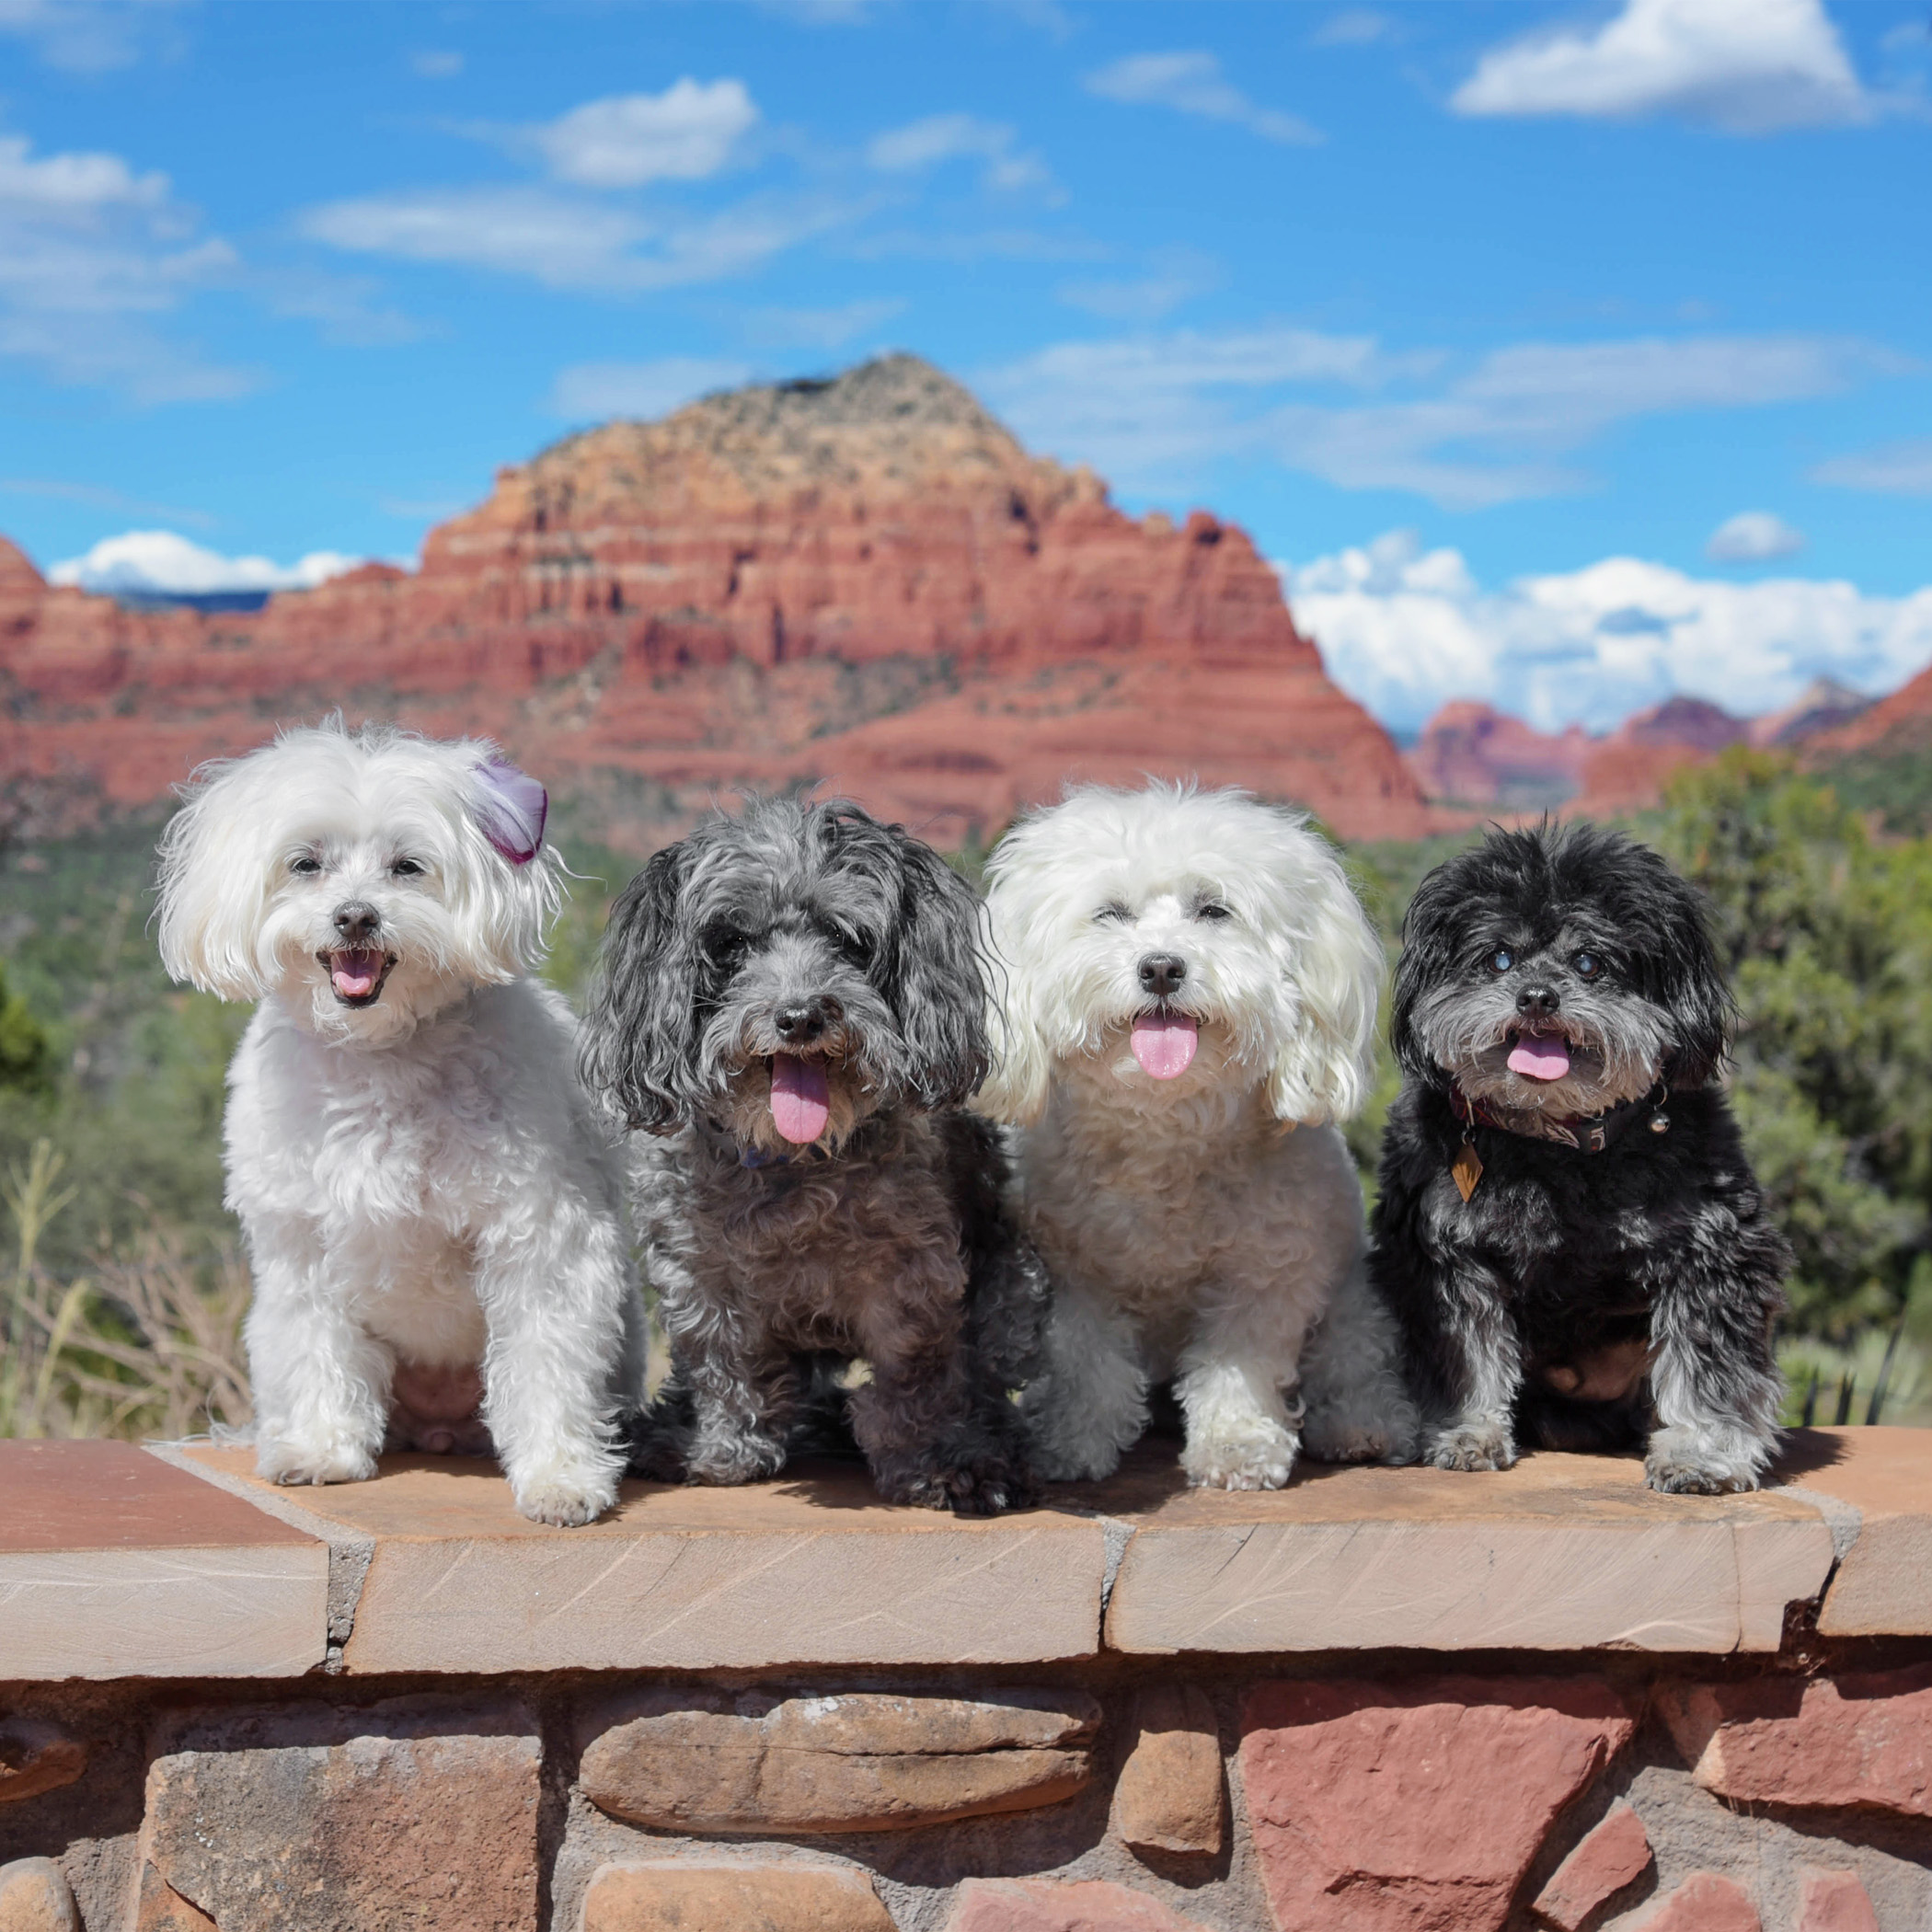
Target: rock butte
{"x":864,"y":582}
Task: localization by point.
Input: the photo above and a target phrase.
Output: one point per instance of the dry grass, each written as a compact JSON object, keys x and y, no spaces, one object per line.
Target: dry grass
{"x":146,"y":1344}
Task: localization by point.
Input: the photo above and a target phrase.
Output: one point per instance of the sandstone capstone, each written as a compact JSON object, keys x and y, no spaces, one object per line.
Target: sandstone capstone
{"x":1386,"y":1808}
{"x":708,"y":1760}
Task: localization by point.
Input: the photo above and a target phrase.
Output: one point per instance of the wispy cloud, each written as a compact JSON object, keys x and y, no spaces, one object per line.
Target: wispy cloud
{"x":1404,"y":630}
{"x":686,"y":133}
{"x":92,"y":253}
{"x":1752,"y":536}
{"x":95,"y":495}
{"x":1746,"y":67}
{"x":953,"y":137}
{"x":1355,"y":27}
{"x":1172,"y":277}
{"x":1902,"y":468}
{"x":1156,"y":411}
{"x":1192,"y":83}
{"x":819,"y":327}
{"x":92,"y":36}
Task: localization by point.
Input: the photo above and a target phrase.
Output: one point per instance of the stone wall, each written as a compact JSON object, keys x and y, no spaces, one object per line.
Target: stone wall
{"x":977,"y":1759}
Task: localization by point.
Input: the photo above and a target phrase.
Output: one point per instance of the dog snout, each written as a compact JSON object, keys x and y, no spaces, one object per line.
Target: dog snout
{"x":1162,"y":972}
{"x":1538,"y":1001}
{"x":357,"y":921}
{"x":802,"y":1024}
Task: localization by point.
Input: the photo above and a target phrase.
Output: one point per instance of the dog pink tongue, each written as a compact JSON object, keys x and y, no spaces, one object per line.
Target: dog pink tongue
{"x":801,"y":1098}
{"x":354,"y":974}
{"x":1164,"y":1043}
{"x":1540,"y":1056}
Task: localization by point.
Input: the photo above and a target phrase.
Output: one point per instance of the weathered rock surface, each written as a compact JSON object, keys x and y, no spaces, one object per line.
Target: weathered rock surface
{"x":1169,"y":1797}
{"x":1704,"y":1903}
{"x":1611,"y":1855}
{"x":865,"y":581}
{"x":1857,"y":1740}
{"x":391,"y":1825}
{"x":680,"y":1896}
{"x":1834,"y":1902}
{"x":707,"y":1761}
{"x":36,"y":1759}
{"x":159,"y":1907}
{"x":34,"y":1897}
{"x":1398,"y":1807}
{"x":1055,"y":1906}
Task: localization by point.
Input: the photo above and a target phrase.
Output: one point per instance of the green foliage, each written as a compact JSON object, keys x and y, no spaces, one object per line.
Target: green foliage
{"x":26,"y":1058}
{"x":1827,"y":932}
{"x":1897,"y":787}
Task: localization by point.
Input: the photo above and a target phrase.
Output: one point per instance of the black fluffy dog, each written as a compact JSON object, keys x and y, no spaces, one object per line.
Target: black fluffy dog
{"x":1567,"y":1226}
{"x":792,"y":1000}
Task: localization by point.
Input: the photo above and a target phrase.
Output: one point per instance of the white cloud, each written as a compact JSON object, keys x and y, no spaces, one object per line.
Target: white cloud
{"x":953,"y":137}
{"x":159,"y":562}
{"x":596,"y":391}
{"x":569,"y":242}
{"x":1901,"y":468}
{"x":1746,"y":67}
{"x":1354,"y":26}
{"x":1404,"y":631}
{"x":1154,"y":409}
{"x":1752,"y":536}
{"x":437,"y":63}
{"x":1173,"y":277}
{"x":89,"y":36}
{"x":686,"y":133}
{"x":1192,"y":83}
{"x":91,"y":252}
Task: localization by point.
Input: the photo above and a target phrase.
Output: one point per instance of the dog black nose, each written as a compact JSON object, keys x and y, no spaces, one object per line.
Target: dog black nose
{"x":800,"y":1025}
{"x":358,"y":923}
{"x":1538,"y":1001}
{"x":1162,"y":972}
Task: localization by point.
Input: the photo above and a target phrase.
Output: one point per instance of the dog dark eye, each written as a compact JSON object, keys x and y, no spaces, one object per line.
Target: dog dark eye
{"x":1502,"y":959}
{"x":406,"y":868}
{"x":1587,"y":965}
{"x":1114,"y":910}
{"x":725,"y":943}
{"x":1212,"y":909}
{"x":306,"y":867}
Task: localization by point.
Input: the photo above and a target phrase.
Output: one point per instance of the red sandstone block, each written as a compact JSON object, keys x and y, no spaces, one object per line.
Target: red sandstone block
{"x":1607,"y":1858}
{"x":1861,"y":1740}
{"x":1834,"y":1902}
{"x":1704,"y":1903}
{"x":1386,"y":1808}
{"x":1051,"y":1905}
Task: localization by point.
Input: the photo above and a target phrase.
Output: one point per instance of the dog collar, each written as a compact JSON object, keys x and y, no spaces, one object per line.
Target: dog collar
{"x":1581,"y":1132}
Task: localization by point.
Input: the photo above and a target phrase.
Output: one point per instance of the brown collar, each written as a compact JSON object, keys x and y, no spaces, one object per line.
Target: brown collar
{"x":1586,"y":1133}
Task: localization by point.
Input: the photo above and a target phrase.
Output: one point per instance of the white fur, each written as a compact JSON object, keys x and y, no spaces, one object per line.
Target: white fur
{"x":1192,"y":1229}
{"x":420,"y":1180}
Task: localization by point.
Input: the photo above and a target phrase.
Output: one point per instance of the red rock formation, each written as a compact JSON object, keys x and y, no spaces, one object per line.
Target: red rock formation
{"x":1476,"y":755}
{"x":867,"y":582}
{"x":1893,"y":727}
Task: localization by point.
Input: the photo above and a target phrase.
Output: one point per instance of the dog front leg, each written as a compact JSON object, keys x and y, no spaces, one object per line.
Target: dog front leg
{"x":1714,"y":1378}
{"x":1233,"y":1383}
{"x":553,"y":1299}
{"x":321,"y":1384}
{"x":1087,"y":1405}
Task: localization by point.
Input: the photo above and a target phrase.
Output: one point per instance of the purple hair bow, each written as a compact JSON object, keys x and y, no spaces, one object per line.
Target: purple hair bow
{"x":511,"y":809}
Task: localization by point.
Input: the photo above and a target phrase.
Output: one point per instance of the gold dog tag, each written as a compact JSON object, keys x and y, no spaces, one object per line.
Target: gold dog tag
{"x":1467,"y":1170}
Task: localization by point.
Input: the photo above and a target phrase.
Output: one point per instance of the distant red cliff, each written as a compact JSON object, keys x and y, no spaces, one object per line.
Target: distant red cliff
{"x":865,"y":583}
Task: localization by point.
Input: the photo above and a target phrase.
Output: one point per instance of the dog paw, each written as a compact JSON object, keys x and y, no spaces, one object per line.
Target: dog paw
{"x":1348,"y":1445}
{"x":1260,"y":1459}
{"x":983,"y":1488}
{"x":1679,"y":1463}
{"x":297,"y":1465}
{"x":1485,"y":1445}
{"x":566,"y":1502}
{"x":744,"y":1462}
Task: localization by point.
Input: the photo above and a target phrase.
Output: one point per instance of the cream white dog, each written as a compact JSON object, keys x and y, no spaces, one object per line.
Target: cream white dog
{"x":432,"y":1213}
{"x":1189,"y":1002}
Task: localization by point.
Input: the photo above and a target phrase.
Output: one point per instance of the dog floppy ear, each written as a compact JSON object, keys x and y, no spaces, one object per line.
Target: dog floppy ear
{"x":1333,"y":965}
{"x":1693,"y":990}
{"x":213,"y":884}
{"x":932,"y":977}
{"x":640,"y":1038}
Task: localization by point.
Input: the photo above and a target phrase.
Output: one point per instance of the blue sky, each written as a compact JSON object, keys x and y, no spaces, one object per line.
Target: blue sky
{"x":1562,"y":355}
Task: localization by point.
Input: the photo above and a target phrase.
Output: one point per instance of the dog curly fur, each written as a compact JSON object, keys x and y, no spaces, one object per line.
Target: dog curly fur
{"x":1576,"y":1300}
{"x":813,"y":934}
{"x":431,"y":1210}
{"x":1206,"y":1226}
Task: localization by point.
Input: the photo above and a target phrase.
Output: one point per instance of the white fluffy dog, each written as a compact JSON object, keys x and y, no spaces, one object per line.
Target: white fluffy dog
{"x":1188,"y":1003}
{"x":432,"y":1213}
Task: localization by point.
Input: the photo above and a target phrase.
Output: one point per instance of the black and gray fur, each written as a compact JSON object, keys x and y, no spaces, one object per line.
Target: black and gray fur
{"x":813,"y":930}
{"x":1578,"y":1300}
